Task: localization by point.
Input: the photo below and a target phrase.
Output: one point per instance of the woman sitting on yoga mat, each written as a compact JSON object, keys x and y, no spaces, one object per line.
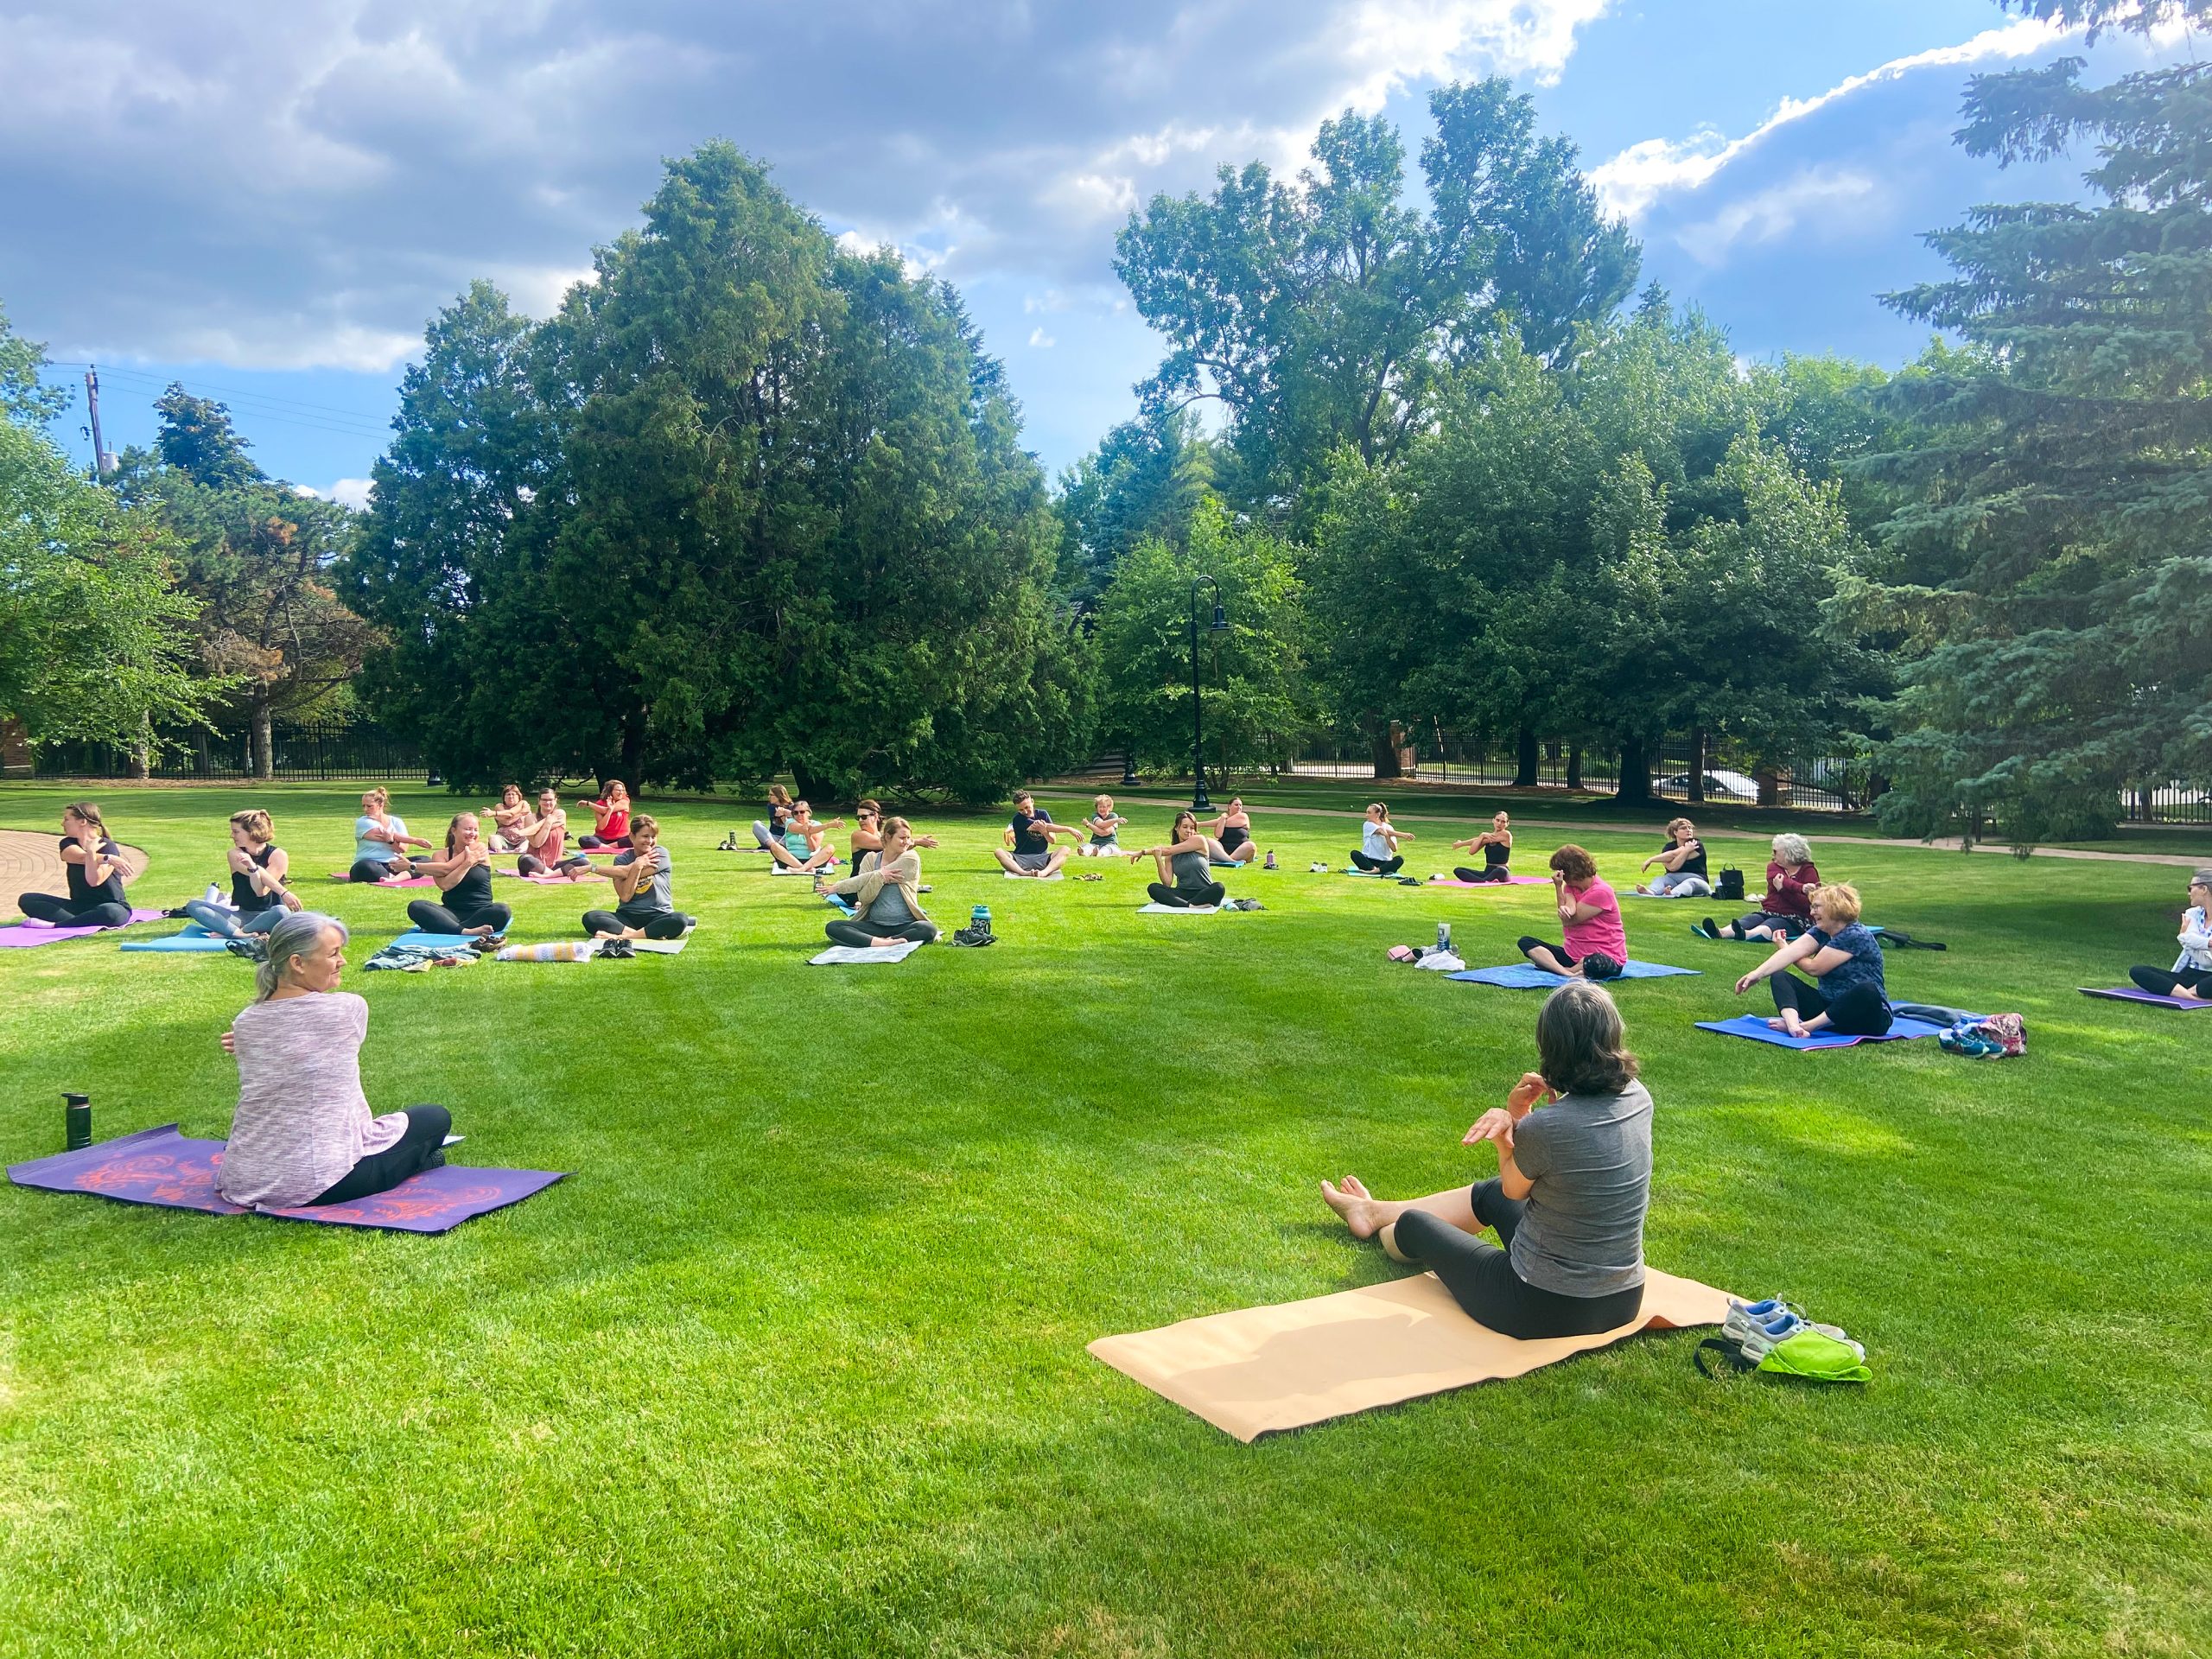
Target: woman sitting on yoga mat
{"x":886,"y":894}
{"x":1845,"y":959}
{"x":1683,"y":873}
{"x":258,"y":898}
{"x":1496,"y":844}
{"x":1786,"y":911}
{"x":806,"y":844}
{"x":1589,"y":921}
{"x":870,"y":829}
{"x":508,"y":819}
{"x":610,"y":818}
{"x":1232,"y":835}
{"x":1568,"y":1204}
{"x":94,"y":868}
{"x":2191,"y":974}
{"x":464,"y":879}
{"x":545,"y":842}
{"x":1186,"y":857}
{"x":1378,"y":842}
{"x":381,"y":840}
{"x":644,"y":902}
{"x":303,"y":1135}
{"x":1028,"y":848}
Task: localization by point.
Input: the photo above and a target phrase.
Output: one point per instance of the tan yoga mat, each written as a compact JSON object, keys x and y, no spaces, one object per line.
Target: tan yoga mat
{"x":1259,"y":1369}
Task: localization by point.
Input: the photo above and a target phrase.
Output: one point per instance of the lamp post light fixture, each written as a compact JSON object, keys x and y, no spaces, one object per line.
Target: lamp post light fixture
{"x":1198,"y":800}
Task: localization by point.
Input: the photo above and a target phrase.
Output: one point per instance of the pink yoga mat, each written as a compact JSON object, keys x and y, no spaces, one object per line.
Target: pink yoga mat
{"x":26,"y":933}
{"x":1509,"y":881}
{"x":412,"y":881}
{"x":163,"y":1168}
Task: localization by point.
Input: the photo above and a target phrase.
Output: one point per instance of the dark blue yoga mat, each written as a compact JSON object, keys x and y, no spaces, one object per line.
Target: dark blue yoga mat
{"x":1527,"y":976}
{"x":162,"y":1167}
{"x":1755,"y":1027}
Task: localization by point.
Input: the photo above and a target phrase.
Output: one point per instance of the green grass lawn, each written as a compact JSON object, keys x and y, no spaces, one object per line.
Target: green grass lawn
{"x":794,"y":1362}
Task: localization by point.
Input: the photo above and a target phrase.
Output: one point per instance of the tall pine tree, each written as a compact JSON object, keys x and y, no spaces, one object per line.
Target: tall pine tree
{"x":2051,"y":581}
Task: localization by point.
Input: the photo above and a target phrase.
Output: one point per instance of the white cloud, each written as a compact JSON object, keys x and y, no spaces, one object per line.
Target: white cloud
{"x":353,"y":492}
{"x":1630,"y":183}
{"x":1041,"y":340}
{"x":1838,"y":196}
{"x":1390,"y":44}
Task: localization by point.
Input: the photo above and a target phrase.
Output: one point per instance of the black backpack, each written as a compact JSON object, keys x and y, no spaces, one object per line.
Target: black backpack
{"x":1731,"y":885}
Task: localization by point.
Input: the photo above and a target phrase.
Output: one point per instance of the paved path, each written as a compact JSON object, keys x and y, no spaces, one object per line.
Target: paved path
{"x":1657,"y":831}
{"x":30,"y":861}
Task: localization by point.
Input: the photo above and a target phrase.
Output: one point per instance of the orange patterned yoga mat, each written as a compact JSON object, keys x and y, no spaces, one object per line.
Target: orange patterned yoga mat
{"x":1260,"y":1369}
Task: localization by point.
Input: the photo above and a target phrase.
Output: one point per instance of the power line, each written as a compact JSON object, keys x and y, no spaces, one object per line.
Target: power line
{"x":263,"y":406}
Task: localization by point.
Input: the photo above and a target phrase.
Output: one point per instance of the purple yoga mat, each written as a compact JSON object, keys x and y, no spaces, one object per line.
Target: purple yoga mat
{"x":162,"y":1167}
{"x":2133,"y":993}
{"x":20,"y":935}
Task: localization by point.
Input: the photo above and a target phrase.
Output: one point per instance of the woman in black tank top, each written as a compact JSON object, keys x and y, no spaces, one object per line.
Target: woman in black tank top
{"x":464,"y":879}
{"x":258,"y":868}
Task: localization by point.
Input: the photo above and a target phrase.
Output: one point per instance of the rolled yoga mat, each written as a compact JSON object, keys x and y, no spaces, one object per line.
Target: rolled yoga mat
{"x":163,"y":1168}
{"x":1259,"y":1370}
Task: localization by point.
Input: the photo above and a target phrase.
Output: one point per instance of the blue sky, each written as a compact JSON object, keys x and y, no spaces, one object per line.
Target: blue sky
{"x":266,"y":201}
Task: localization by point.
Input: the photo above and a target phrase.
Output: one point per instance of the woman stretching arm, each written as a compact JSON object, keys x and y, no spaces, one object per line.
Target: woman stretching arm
{"x":259,"y":866}
{"x":1378,"y":852}
{"x":886,"y":894}
{"x":94,"y":866}
{"x":1183,"y":859}
{"x":464,"y":879}
{"x":1844,"y":959}
{"x":643,"y":877}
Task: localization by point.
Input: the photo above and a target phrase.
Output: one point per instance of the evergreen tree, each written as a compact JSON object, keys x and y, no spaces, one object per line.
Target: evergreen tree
{"x":2051,"y":581}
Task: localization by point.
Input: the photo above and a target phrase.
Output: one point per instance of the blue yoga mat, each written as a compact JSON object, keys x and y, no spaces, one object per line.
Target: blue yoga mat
{"x":1755,"y":1027}
{"x":438,"y":940}
{"x":190,"y":937}
{"x":1527,"y":976}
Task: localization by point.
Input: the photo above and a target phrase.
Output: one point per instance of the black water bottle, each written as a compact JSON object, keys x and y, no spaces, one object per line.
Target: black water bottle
{"x":77,"y":1121}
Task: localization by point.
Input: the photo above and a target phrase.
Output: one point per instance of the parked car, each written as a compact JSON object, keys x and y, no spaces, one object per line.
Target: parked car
{"x":1719,"y":785}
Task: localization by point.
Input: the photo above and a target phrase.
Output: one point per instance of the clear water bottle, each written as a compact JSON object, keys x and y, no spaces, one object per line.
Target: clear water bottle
{"x":1444,"y":936}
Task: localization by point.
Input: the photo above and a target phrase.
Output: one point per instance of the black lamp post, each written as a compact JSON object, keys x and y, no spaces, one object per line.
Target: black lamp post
{"x":1197,"y":729}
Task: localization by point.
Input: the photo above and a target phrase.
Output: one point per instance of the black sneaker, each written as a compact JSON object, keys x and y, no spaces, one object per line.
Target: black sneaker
{"x":1706,"y":928}
{"x":619,"y":950}
{"x":248,"y":948}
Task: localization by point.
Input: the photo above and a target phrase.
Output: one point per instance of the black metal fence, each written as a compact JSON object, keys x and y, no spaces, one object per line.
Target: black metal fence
{"x":2168,"y":804}
{"x":1821,"y":783}
{"x":306,"y":751}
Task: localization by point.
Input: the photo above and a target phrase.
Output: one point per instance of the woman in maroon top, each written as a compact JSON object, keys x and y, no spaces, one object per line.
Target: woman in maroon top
{"x":1786,"y":910}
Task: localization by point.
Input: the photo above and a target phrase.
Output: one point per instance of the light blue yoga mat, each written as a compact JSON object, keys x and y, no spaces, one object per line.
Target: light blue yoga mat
{"x":1755,"y":1027}
{"x":190,"y":937}
{"x":1527,"y":976}
{"x":438,"y":940}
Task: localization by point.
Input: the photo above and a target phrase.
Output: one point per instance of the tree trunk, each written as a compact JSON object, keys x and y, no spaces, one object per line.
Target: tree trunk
{"x":1697,"y":765}
{"x":1574,"y":765}
{"x":264,"y":757}
{"x":142,"y":751}
{"x":633,"y":753}
{"x":1385,"y":752}
{"x":812,"y":786}
{"x":1769,"y":783}
{"x":1635,"y":788}
{"x":1524,"y":759}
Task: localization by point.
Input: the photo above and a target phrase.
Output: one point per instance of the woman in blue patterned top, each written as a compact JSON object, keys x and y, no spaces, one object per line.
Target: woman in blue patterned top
{"x":1845,"y":960}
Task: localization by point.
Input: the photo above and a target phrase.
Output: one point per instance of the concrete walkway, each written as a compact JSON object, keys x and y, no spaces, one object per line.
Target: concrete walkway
{"x":30,"y":861}
{"x":1657,"y":831}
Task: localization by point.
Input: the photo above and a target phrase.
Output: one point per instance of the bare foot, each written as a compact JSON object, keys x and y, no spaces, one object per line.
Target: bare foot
{"x":872,"y":944}
{"x":1776,"y":1025}
{"x":2190,"y":991}
{"x":1363,"y":1213}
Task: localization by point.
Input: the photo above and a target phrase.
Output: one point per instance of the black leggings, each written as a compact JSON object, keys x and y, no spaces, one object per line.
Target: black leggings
{"x":1782,"y":928}
{"x":531,"y":864}
{"x":45,"y":907}
{"x":1860,"y":1012}
{"x":2157,"y":980}
{"x":1488,"y":872}
{"x":368,"y":869}
{"x":422,"y":1146}
{"x":856,"y":932}
{"x":437,"y":918}
{"x":1528,"y":942}
{"x":1380,"y":866}
{"x":1481,"y":1279}
{"x":1186,"y":898}
{"x":653,"y":923}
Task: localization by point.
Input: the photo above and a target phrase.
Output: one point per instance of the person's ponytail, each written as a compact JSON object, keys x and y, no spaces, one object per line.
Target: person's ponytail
{"x":297,"y":933}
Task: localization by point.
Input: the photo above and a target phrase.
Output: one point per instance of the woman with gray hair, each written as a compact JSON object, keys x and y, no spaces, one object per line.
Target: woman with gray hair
{"x":1573,"y":1185}
{"x":302,"y":1135}
{"x":1786,"y":910}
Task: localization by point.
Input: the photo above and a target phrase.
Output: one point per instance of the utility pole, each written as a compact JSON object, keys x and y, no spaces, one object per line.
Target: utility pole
{"x":100,"y":462}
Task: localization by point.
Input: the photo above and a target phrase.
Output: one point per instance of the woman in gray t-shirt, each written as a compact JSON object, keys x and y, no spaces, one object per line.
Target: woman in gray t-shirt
{"x":643,"y":877}
{"x":1569,"y":1199}
{"x":1184,"y":857}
